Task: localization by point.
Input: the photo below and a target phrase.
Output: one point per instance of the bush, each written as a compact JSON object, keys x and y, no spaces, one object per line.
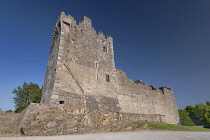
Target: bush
{"x":184,"y":117}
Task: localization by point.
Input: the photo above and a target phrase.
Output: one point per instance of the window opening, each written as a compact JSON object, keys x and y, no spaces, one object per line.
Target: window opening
{"x":96,"y":64}
{"x":105,"y":49}
{"x":61,"y":102}
{"x":97,"y":77}
{"x":107,"y":78}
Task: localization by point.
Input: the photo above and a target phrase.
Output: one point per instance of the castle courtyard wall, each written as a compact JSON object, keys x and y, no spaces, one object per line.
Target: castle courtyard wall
{"x":140,"y":98}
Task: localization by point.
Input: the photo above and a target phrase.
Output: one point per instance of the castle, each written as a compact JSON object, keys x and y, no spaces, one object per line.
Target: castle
{"x":84,"y":92}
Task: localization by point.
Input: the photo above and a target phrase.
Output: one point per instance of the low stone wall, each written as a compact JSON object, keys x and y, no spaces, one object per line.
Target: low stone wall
{"x":41,"y":119}
{"x":9,"y":123}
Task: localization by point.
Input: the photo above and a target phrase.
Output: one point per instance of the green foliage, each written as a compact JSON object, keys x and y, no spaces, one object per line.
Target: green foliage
{"x":8,"y":111}
{"x":164,"y":126}
{"x":206,"y":116}
{"x":200,"y":114}
{"x":195,"y":113}
{"x":184,"y":117}
{"x":28,"y":93}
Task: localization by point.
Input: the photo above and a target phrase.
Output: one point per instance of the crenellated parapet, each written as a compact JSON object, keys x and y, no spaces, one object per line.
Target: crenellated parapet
{"x":122,"y":77}
{"x":141,"y":98}
{"x":86,"y":22}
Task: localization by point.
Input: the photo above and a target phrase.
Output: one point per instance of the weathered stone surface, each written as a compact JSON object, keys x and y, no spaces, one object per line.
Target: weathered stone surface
{"x":9,"y":123}
{"x":73,"y":123}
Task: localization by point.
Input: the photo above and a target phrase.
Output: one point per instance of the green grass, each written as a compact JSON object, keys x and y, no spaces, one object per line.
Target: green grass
{"x":164,"y":126}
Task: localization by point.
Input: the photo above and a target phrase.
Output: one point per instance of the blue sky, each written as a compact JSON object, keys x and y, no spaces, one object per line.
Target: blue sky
{"x":162,"y":42}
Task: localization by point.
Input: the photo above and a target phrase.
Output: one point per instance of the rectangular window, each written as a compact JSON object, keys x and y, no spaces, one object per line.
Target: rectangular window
{"x":96,"y":64}
{"x":61,"y":102}
{"x":107,"y":78}
{"x":105,"y":49}
{"x":97,"y":76}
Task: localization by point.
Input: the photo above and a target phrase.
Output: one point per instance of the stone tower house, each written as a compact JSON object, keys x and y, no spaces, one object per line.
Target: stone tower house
{"x":81,"y":70}
{"x":81,"y":74}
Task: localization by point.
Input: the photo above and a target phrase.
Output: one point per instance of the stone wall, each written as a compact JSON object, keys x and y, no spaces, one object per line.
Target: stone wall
{"x":140,"y":98}
{"x":9,"y":123}
{"x":42,"y":119}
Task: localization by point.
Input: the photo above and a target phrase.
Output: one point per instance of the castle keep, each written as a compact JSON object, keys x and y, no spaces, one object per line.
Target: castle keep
{"x":84,"y":92}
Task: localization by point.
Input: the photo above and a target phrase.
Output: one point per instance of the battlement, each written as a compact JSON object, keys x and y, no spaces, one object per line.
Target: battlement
{"x":87,"y":21}
{"x":122,"y":76}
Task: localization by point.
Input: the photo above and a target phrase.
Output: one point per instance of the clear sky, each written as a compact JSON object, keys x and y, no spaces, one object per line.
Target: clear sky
{"x":162,"y":42}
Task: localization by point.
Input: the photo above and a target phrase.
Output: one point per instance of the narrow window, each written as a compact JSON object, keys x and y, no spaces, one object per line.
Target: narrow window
{"x":96,"y":76}
{"x":61,"y":102}
{"x":107,"y":78}
{"x":105,"y":49}
{"x":96,"y":64}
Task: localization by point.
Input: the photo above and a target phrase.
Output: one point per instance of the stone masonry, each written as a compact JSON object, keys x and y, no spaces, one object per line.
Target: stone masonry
{"x":83,"y":91}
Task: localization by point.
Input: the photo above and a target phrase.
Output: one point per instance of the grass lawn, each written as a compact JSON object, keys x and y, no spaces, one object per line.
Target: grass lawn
{"x":164,"y":126}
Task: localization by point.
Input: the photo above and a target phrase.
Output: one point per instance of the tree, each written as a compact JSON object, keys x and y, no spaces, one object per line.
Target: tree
{"x":200,"y":114}
{"x":208,"y":103}
{"x":184,"y":117}
{"x":28,"y":93}
{"x":8,"y":111}
{"x":196,"y":113}
{"x":206,"y":116}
